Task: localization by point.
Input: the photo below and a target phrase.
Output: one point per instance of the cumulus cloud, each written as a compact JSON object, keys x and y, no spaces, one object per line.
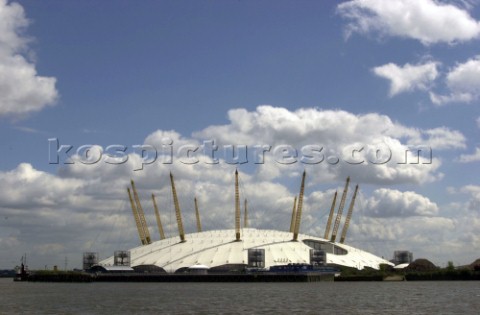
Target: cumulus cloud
{"x":474,"y":192}
{"x":408,"y":77}
{"x":441,"y":138}
{"x":427,"y":21}
{"x":92,"y":212}
{"x":27,"y":188}
{"x":55,"y":216}
{"x":463,"y":82}
{"x":466,"y":220}
{"x":86,"y":205}
{"x":22,"y":90}
{"x":426,"y":237}
{"x":412,"y":230}
{"x":395,"y":203}
{"x":355,"y":142}
{"x":467,"y":158}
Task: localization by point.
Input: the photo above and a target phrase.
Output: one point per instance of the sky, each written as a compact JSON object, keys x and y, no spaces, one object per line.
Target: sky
{"x":95,"y":93}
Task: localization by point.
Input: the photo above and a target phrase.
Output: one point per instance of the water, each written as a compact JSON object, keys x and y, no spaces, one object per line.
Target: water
{"x":343,"y":298}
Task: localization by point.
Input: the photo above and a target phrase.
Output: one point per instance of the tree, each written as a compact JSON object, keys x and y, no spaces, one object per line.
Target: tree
{"x":450,"y":266}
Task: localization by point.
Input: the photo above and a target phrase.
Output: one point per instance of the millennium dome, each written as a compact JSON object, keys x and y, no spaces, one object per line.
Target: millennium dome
{"x":219,"y":249}
{"x":243,"y":247}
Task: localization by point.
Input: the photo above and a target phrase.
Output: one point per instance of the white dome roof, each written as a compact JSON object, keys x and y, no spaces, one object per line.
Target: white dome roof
{"x":218,"y":247}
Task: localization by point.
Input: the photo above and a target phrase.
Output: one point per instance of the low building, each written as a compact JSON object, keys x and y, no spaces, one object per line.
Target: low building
{"x":219,"y":249}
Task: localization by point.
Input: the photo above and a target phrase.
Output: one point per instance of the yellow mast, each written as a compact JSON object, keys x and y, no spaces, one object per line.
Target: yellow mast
{"x":178,"y":213}
{"x":330,"y":217}
{"x":340,"y":210}
{"x":349,"y":216}
{"x":294,"y":214}
{"x":245,"y":214}
{"x":197,"y":213}
{"x":299,"y":208}
{"x":141,"y":214}
{"x":237,"y":208}
{"x":157,"y":216}
{"x":137,"y":219}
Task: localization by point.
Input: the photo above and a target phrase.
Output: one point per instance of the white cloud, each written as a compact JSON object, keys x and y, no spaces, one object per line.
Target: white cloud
{"x":402,"y":230}
{"x":22,"y":91}
{"x":425,"y":237}
{"x":425,"y":20}
{"x":86,"y":205}
{"x":463,"y":82}
{"x":408,"y":77}
{"x":12,"y":23}
{"x":467,"y":222}
{"x":27,"y":129}
{"x":474,"y":192}
{"x":28,"y":188}
{"x":467,"y":158}
{"x":442,"y":138}
{"x":339,"y":134}
{"x":395,"y":203}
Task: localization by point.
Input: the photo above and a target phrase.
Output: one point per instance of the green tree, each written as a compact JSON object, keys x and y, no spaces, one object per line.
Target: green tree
{"x":450,"y":266}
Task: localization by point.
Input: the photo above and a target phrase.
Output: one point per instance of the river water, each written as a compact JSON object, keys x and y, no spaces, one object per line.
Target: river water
{"x":342,"y":298}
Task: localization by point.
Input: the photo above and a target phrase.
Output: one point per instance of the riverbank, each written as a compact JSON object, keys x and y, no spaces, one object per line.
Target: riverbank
{"x":71,"y":276}
{"x":146,"y":277}
{"x":390,"y":274}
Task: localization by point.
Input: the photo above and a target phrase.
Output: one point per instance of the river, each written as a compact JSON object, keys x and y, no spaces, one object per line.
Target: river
{"x":342,"y":298}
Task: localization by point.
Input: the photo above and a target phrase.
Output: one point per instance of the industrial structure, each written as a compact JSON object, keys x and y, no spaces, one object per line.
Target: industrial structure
{"x":244,"y":247}
{"x":402,"y":258}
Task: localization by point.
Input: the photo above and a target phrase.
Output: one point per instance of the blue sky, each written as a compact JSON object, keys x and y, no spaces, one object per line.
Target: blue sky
{"x":330,"y":72}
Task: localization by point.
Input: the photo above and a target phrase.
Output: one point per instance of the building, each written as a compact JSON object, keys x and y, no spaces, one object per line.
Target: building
{"x":402,"y":257}
{"x":242,"y":247}
{"x":219,"y":250}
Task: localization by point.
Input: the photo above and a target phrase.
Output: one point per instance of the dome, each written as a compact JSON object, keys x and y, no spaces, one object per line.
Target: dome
{"x":219,"y":248}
